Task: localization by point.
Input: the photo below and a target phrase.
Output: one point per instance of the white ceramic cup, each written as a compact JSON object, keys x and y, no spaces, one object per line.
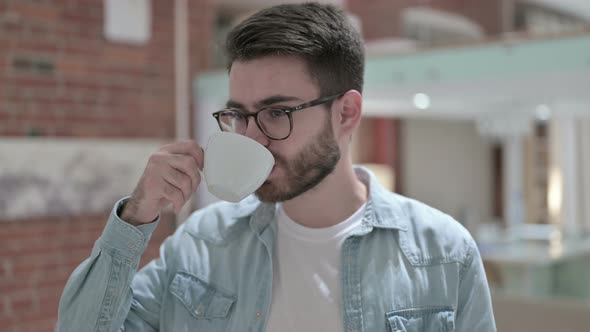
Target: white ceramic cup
{"x":235,"y":166}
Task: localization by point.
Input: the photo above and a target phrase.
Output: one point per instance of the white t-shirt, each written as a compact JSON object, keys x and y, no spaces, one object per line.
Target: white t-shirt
{"x":306,"y":291}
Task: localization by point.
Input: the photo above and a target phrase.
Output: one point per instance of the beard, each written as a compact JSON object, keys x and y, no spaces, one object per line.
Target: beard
{"x":306,"y":170}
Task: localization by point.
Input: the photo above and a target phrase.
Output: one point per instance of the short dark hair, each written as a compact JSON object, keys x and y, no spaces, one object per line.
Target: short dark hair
{"x":321,"y":35}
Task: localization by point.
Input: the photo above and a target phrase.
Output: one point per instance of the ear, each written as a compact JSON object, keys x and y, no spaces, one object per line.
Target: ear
{"x":349,"y":113}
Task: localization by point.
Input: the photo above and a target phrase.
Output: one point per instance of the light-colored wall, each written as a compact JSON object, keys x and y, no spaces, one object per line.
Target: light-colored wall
{"x":60,"y":177}
{"x":448,"y":166}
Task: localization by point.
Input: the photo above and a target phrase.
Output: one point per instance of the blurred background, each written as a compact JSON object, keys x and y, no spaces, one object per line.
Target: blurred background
{"x":480,"y":108}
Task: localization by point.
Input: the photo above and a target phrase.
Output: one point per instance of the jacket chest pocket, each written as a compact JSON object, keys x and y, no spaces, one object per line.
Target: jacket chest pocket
{"x":202,"y":300}
{"x":428,"y":319}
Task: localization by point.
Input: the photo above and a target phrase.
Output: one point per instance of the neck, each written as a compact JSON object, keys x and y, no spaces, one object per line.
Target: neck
{"x":332,"y":201}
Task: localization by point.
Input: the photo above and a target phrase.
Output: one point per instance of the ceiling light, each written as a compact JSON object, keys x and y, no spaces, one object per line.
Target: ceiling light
{"x":421,"y":101}
{"x":543,"y":113}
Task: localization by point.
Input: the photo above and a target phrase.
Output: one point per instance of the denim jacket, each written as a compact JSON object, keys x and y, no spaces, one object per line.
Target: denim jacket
{"x":407,"y":267}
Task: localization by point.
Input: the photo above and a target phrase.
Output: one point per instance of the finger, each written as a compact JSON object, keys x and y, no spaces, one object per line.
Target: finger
{"x":180,"y":180}
{"x":174,"y":195}
{"x":187,"y":166}
{"x":188,"y":147}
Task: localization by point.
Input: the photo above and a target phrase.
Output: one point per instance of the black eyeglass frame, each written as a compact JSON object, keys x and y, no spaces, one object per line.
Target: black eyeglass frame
{"x":287,"y":110}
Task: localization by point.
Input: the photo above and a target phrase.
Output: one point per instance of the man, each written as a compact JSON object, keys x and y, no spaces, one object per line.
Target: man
{"x":321,"y":247}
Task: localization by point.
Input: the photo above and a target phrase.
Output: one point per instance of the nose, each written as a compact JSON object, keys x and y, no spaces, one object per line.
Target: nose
{"x":254,"y":132}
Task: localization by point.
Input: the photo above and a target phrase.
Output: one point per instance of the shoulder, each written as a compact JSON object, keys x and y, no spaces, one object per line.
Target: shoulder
{"x":431,"y":236}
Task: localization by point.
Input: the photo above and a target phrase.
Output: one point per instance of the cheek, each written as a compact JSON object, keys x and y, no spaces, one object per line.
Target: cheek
{"x":308,"y":123}
{"x":305,"y":130}
{"x":280,"y":151}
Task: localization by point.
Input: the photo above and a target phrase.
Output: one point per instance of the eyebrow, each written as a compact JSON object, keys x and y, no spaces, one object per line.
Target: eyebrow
{"x":264,"y":102}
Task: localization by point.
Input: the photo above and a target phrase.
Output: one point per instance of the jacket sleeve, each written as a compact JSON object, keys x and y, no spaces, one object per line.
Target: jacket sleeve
{"x":98,"y":295}
{"x":474,"y":311}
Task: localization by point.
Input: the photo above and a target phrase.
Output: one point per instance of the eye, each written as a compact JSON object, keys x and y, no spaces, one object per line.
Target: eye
{"x":231,"y":114}
{"x":276,"y":113}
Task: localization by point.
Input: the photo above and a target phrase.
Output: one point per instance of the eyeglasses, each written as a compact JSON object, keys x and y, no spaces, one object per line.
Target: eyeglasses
{"x":275,"y":122}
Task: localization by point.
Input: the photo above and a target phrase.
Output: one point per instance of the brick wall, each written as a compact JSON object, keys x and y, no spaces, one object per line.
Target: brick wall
{"x":38,"y":256}
{"x":60,"y":77}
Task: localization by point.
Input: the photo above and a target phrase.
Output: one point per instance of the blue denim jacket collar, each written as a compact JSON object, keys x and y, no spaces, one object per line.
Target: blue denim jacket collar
{"x":379,"y":212}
